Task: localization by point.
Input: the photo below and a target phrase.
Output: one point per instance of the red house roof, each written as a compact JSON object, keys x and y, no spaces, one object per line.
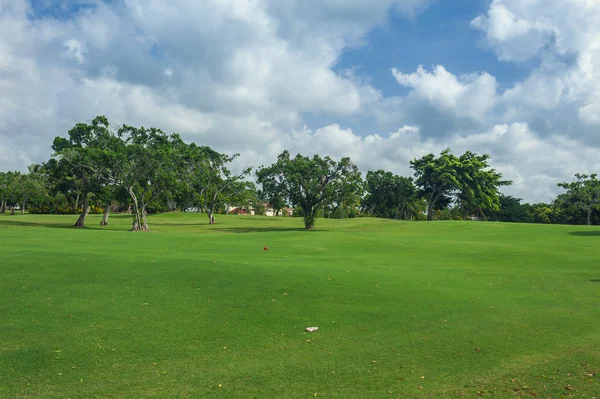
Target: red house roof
{"x":238,"y":211}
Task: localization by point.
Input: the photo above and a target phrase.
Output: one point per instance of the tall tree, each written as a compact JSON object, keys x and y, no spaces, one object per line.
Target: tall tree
{"x":479,"y":185}
{"x":84,"y":154}
{"x":467,"y":180}
{"x":4,"y":184}
{"x":211,"y":179}
{"x":27,"y":187}
{"x":584,"y":192}
{"x":437,"y":178}
{"x":147,"y":164}
{"x":391,"y":196}
{"x":348,"y":192}
{"x":308,"y":183}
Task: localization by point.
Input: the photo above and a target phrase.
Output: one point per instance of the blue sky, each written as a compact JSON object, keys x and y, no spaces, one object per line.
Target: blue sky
{"x":441,"y":34}
{"x":381,"y":81}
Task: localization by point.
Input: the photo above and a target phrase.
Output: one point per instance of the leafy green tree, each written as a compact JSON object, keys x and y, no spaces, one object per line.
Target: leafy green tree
{"x":29,"y":187}
{"x":12,"y":190}
{"x":277,"y":203}
{"x":479,"y":185}
{"x":4,"y":184}
{"x":348,"y":190}
{"x":147,"y":163}
{"x":83,"y":153}
{"x":306,"y":182}
{"x":510,"y":210}
{"x":212,"y":180}
{"x":583,"y":192}
{"x":467,"y":179}
{"x":437,"y":178}
{"x":391,"y":196}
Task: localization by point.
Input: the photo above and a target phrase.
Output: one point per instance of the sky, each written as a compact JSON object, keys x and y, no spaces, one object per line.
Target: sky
{"x":380,"y":81}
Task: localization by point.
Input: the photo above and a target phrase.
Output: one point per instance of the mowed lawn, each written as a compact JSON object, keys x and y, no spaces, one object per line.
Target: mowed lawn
{"x":404,"y":310}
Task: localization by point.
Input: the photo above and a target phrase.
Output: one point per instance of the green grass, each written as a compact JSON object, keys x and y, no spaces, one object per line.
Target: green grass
{"x":421,"y":310}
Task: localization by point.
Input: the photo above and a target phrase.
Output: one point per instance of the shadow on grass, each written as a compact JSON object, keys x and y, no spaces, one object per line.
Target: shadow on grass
{"x":270,"y":229}
{"x":591,"y":233}
{"x":595,"y":280}
{"x":37,"y":224}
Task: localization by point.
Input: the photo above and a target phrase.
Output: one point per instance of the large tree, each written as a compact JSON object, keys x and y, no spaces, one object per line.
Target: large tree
{"x":467,"y":180}
{"x":308,"y":183}
{"x":583,"y":192}
{"x":479,"y":185}
{"x":348,"y":193}
{"x":391,"y":196}
{"x":4,"y":187}
{"x":437,"y":178}
{"x":83,"y":153}
{"x":210,"y":178}
{"x":28,"y":187}
{"x":147,"y":164}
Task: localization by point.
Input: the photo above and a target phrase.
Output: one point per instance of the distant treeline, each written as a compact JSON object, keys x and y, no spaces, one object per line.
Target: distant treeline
{"x":97,"y":169}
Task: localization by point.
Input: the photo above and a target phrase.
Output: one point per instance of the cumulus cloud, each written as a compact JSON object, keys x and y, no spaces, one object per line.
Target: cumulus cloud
{"x":243,"y":75}
{"x":563,"y":37}
{"x":469,"y":96}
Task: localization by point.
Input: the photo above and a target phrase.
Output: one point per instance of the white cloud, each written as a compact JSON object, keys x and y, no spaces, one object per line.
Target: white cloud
{"x":240,"y":75}
{"x":470,"y":96}
{"x":74,"y":49}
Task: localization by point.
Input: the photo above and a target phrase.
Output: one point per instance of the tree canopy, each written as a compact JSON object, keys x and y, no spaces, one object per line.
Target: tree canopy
{"x":308,"y":183}
{"x":467,"y":180}
{"x":139,"y":170}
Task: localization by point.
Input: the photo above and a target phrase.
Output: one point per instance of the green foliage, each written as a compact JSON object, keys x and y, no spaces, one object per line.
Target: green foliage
{"x":308,"y":183}
{"x":145,"y":170}
{"x":85,"y":158}
{"x":212,"y":182}
{"x":584,"y":193}
{"x":391,"y":196}
{"x":467,"y":180}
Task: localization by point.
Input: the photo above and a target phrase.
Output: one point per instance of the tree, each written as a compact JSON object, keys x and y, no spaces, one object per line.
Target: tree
{"x":27,"y":187}
{"x":11,"y":190}
{"x":277,"y":203}
{"x":467,"y":180}
{"x":4,"y":185}
{"x":479,"y":185}
{"x":84,"y":154}
{"x":147,"y":163}
{"x":211,"y":179}
{"x":391,"y":196}
{"x":584,"y":192}
{"x":306,"y":182}
{"x":348,"y":192}
{"x":437,"y":178}
{"x":511,"y":210}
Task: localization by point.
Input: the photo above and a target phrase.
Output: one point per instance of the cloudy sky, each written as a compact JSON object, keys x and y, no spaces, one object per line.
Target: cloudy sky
{"x":381,"y":81}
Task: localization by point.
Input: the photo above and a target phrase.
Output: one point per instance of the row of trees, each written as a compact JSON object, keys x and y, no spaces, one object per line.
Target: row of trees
{"x":140,"y":170}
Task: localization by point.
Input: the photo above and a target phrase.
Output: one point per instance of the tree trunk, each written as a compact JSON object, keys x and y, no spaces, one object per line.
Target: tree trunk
{"x":23,"y":207}
{"x":309,"y":219}
{"x":76,"y":201}
{"x":430,"y":212}
{"x":3,"y":207}
{"x":145,"y":219}
{"x":589,"y":216}
{"x":12,"y":211}
{"x":139,"y":215}
{"x":104,"y":221}
{"x":84,"y":212}
{"x":211,"y":217}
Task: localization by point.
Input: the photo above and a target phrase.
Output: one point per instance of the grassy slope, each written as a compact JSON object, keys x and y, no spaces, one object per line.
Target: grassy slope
{"x":443,"y":309}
